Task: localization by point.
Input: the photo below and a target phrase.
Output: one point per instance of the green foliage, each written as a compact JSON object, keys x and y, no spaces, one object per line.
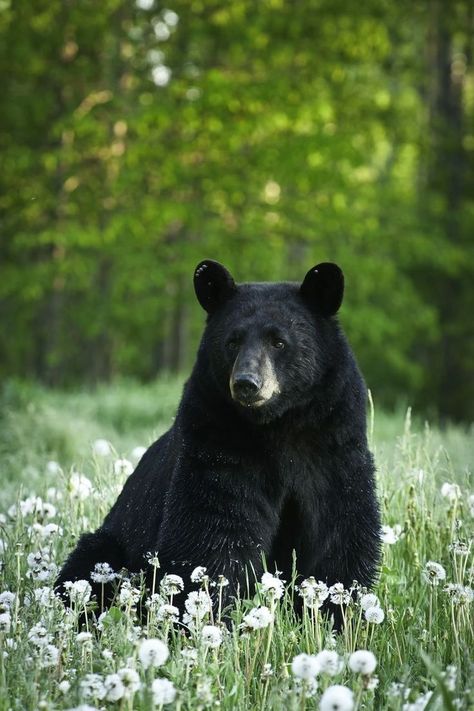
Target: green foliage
{"x":286,"y":134}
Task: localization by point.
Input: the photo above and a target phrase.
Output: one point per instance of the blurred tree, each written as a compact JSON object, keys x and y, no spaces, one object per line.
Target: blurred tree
{"x":138,"y":138}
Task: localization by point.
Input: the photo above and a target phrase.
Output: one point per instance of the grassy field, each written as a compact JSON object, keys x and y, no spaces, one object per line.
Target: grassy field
{"x":423,"y":646}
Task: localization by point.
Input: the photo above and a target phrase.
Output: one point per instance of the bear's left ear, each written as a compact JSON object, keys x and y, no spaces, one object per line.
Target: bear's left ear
{"x":213,"y":284}
{"x":323,"y":288}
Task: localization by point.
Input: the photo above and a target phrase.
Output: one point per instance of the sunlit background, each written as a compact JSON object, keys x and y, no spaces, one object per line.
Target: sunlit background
{"x":137,"y":138}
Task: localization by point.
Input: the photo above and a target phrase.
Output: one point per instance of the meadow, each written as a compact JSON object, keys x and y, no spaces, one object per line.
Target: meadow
{"x":408,"y":645}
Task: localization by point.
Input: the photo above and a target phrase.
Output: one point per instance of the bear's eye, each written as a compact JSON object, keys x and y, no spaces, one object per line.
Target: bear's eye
{"x":233,"y":344}
{"x":278,"y":343}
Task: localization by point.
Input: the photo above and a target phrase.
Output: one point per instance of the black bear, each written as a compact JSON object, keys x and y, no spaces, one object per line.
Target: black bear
{"x":268,"y":452}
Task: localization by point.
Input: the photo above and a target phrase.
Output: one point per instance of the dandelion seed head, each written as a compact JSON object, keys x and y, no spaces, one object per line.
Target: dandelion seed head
{"x":339,"y":595}
{"x":102,"y":573}
{"x":122,"y":467}
{"x":374,"y":615}
{"x":337,"y":698}
{"x":92,"y":687}
{"x":79,"y":591}
{"x":5,"y":622}
{"x":362,"y":662}
{"x":433,"y":573}
{"x":330,"y":662}
{"x":258,"y":618}
{"x":171,"y":584}
{"x":272,"y":586}
{"x":80,"y":487}
{"x":130,"y":681}
{"x":390,"y":534}
{"x":211,"y":636}
{"x":48,"y":656}
{"x":163,"y":691}
{"x":369,"y":600}
{"x":305,"y":666}
{"x":198,"y":574}
{"x":450,"y":491}
{"x":198,"y":604}
{"x":114,"y":689}
{"x":153,"y":653}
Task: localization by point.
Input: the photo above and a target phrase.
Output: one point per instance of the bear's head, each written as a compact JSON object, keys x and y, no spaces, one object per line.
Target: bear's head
{"x":269,"y":345}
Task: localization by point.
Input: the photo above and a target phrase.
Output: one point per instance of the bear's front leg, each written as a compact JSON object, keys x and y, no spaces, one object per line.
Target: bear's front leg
{"x":219,"y":518}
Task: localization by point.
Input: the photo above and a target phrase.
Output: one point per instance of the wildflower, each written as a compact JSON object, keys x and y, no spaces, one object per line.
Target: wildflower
{"x":152,"y":559}
{"x":372,"y":682}
{"x":102,"y":573}
{"x":374,"y":615}
{"x":39,"y":636}
{"x":92,"y":687}
{"x":272,"y":585}
{"x":84,"y":637}
{"x":101,"y":447}
{"x":459,"y":594}
{"x":452,"y":492}
{"x":313,"y":592}
{"x":330,"y":662}
{"x":171,"y":584}
{"x":7,"y":600}
{"x":369,"y":600}
{"x":49,"y":655}
{"x":128,"y":595}
{"x":40,"y":566}
{"x":204,"y":692}
{"x":197,"y":604}
{"x":107,"y":654}
{"x":199,"y":574}
{"x":338,"y":595}
{"x":362,"y":662}
{"x":45,"y":532}
{"x":122,"y":467}
{"x":114,"y":689}
{"x":170,"y":17}
{"x":5,"y":622}
{"x":80,"y":487}
{"x":137,"y":453}
{"x":167,"y":613}
{"x":470,"y":503}
{"x":267,"y":671}
{"x":222,"y":581}
{"x":153,"y":653}
{"x":433,"y":573}
{"x":337,"y":698}
{"x":79,"y":591}
{"x":163,"y":691}
{"x":305,"y":666}
{"x":258,"y":618}
{"x":460,"y":547}
{"x":390,"y":534}
{"x":211,"y":636}
{"x":130,"y":681}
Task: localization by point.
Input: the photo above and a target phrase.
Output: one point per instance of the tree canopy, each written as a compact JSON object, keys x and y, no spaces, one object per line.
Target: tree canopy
{"x":138,"y":138}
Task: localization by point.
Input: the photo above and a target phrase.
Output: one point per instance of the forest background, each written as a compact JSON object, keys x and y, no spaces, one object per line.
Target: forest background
{"x":137,"y":138}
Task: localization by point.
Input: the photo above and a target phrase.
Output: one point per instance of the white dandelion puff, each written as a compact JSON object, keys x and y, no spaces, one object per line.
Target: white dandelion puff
{"x":211,"y":636}
{"x":258,"y":618}
{"x":305,"y":666}
{"x":369,"y":600}
{"x":48,"y":656}
{"x":330,"y":662}
{"x":163,"y":691}
{"x":199,"y":574}
{"x":137,"y":453}
{"x":102,"y":573}
{"x":391,"y":534}
{"x":374,"y":615}
{"x":114,"y":688}
{"x":80,"y":487}
{"x":337,"y":698}
{"x":272,"y":585}
{"x":171,"y":584}
{"x":198,"y":604}
{"x":339,"y":595}
{"x":153,"y":653}
{"x":5,"y":622}
{"x":130,"y":681}
{"x":433,"y":573}
{"x":362,"y":662}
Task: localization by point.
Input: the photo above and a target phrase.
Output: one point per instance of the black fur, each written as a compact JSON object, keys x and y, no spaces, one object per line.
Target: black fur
{"x":231,"y":481}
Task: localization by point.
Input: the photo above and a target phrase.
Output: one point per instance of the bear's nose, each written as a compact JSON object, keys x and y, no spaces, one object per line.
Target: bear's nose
{"x":246,"y":385}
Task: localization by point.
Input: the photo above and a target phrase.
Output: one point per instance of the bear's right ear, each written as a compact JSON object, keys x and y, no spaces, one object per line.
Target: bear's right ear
{"x":213,"y":285}
{"x":323,"y":288}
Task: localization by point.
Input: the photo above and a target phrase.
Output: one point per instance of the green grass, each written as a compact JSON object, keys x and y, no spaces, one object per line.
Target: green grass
{"x":424,"y":632}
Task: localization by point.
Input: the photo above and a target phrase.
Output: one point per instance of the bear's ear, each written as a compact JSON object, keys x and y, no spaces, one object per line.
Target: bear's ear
{"x":323,"y":288}
{"x":213,"y":284}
